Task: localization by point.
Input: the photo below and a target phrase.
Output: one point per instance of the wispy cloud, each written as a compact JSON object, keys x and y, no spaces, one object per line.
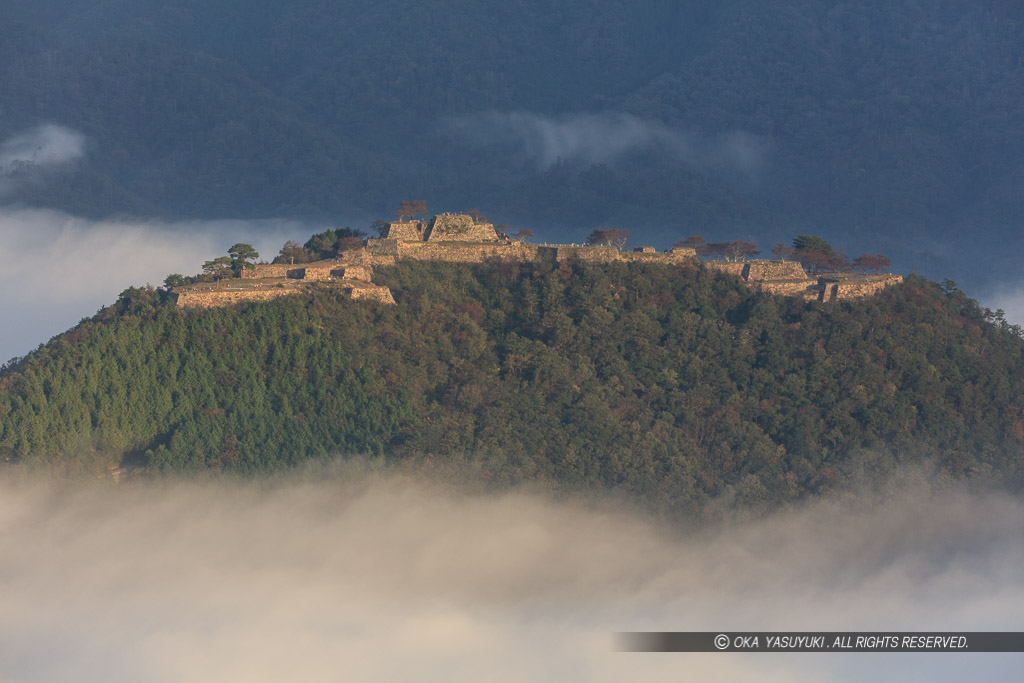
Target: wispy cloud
{"x":37,"y":151}
{"x":56,"y":269}
{"x":1009,"y":298}
{"x":45,"y":145}
{"x":606,"y":138}
{"x":381,"y":579}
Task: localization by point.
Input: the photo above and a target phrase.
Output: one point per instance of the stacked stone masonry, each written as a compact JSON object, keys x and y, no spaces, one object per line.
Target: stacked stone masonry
{"x":460,"y":238}
{"x":212,"y":298}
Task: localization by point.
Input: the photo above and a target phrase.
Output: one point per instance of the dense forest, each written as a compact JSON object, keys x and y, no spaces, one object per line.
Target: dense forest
{"x":894,"y":126}
{"x":672,"y":386}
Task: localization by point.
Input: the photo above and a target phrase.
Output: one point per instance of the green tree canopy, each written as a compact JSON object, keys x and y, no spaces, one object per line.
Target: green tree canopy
{"x":241,"y":254}
{"x":811,"y":243}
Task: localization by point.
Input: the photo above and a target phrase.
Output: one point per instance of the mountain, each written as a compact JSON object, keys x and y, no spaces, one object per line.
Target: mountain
{"x":894,"y":126}
{"x":672,"y":385}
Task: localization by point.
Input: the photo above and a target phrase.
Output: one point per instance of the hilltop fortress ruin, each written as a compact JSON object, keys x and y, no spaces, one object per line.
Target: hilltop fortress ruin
{"x":460,"y":238}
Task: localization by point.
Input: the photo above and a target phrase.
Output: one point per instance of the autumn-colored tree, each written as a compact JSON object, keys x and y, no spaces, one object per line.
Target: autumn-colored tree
{"x":738,"y":250}
{"x":875,"y":262}
{"x":523,"y":234}
{"x":411,"y":209}
{"x":474,"y":214}
{"x":613,"y":237}
{"x":816,"y":254}
{"x":714,"y":250}
{"x":784,"y":251}
{"x":818,"y":261}
{"x":838,"y":262}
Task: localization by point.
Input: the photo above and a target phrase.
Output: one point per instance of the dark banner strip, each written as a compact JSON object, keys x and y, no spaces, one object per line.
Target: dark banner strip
{"x":820,"y":641}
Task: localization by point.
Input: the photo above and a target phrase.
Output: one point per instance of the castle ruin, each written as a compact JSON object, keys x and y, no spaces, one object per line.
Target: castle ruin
{"x":462,"y":239}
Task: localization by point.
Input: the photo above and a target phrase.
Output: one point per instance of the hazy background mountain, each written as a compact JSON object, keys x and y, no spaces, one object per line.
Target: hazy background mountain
{"x":892,"y":127}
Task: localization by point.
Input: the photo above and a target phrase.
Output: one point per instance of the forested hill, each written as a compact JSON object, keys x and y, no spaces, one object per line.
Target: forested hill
{"x":675,"y":386}
{"x":894,"y":125}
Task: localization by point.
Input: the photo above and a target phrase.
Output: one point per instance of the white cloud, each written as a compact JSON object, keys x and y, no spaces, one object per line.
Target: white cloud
{"x":45,"y":145}
{"x":1009,"y":298}
{"x":607,"y":137}
{"x":56,"y":269}
{"x":380,"y":579}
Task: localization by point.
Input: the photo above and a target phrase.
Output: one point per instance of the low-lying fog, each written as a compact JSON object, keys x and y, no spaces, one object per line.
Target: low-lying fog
{"x":380,"y":578}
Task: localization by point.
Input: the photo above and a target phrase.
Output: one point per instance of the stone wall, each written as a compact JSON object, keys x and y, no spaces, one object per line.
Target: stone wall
{"x":466,"y":252}
{"x":380,"y":260}
{"x":406,"y":231}
{"x":354,"y":273}
{"x":388,"y":246}
{"x":211,"y":298}
{"x":454,"y":227}
{"x":566,"y":252}
{"x":857,"y":287}
{"x":731,"y":267}
{"x":674,"y":256}
{"x":457,"y":238}
{"x":774,"y":270}
{"x":262,"y":270}
{"x":353,"y":265}
{"x":807,"y":288}
{"x":368,"y":292}
{"x":313,"y":272}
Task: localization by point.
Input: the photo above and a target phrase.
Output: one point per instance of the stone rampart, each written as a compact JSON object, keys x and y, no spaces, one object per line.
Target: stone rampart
{"x":458,"y":238}
{"x":406,"y":231}
{"x":263,"y":270}
{"x":353,"y":273}
{"x":380,"y":260}
{"x":857,"y":287}
{"x":731,"y":267}
{"x":384,"y":246}
{"x":774,"y":270}
{"x":212,"y":298}
{"x":317,"y":272}
{"x":805,"y":288}
{"x":370,"y":292}
{"x":453,"y":227}
{"x":674,"y":256}
{"x":566,"y":252}
{"x":466,"y":252}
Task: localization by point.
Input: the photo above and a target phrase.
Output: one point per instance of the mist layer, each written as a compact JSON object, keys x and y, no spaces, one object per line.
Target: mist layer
{"x":382,"y":579}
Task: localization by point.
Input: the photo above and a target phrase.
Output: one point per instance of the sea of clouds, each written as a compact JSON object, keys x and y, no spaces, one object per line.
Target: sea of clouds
{"x":384,"y":577}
